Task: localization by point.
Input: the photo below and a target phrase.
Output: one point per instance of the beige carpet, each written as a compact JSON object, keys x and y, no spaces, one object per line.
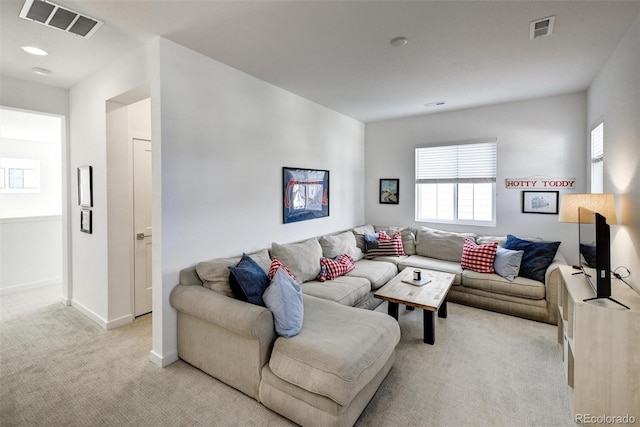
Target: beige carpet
{"x":57,"y":368}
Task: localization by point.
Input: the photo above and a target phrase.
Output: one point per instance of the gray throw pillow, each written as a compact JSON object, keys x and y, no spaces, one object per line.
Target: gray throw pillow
{"x":284,"y":298}
{"x":507,"y":263}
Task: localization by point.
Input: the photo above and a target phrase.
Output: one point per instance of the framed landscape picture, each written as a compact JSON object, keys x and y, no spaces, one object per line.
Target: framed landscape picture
{"x":305,"y":194}
{"x":540,"y":202}
{"x":389,"y":191}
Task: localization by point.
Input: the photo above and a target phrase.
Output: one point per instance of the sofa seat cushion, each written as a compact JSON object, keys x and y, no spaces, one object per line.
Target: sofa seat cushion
{"x":376,"y":272}
{"x":395,"y":260}
{"x":338,"y":351}
{"x":418,"y":261}
{"x":343,"y":290}
{"x":519,"y":287}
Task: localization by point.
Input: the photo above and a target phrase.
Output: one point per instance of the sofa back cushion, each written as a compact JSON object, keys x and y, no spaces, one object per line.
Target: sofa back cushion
{"x":439,"y":244}
{"x":359,"y":233}
{"x":338,"y":244}
{"x":215,"y":273}
{"x":303,"y":258}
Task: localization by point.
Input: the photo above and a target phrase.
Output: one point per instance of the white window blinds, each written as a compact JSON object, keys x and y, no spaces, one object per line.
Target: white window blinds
{"x":460,"y":163}
{"x":597,"y":144}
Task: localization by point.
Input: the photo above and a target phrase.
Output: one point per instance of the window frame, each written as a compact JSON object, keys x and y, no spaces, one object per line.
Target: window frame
{"x":596,"y":162}
{"x":456,"y":181}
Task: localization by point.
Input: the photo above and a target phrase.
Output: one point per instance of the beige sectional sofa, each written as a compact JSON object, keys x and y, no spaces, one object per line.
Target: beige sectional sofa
{"x":327,"y":373}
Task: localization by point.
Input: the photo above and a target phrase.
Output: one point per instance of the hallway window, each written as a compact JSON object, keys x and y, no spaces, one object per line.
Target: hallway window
{"x":20,"y":175}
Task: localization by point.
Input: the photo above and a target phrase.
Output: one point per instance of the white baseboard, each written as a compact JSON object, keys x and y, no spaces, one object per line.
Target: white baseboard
{"x":89,"y":313}
{"x":104,"y":324}
{"x":163,"y":361}
{"x":30,"y":286}
{"x":65,"y":301}
{"x":124,"y":320}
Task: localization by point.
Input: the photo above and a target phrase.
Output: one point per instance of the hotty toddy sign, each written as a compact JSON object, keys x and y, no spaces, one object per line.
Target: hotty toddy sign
{"x":524,"y":183}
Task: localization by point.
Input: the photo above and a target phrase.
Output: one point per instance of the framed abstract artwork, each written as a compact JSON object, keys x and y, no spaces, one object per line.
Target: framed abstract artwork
{"x":305,"y":194}
{"x":540,"y":202}
{"x":389,"y":191}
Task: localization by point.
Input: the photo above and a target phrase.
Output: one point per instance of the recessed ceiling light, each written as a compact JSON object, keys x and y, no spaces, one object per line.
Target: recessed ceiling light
{"x":41,"y":71}
{"x":434,"y":104}
{"x":34,"y":50}
{"x":399,"y":41}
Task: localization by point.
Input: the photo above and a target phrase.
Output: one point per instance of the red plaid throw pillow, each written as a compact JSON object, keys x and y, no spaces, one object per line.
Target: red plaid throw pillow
{"x":478,"y":257}
{"x":275,"y":264}
{"x":332,"y":268}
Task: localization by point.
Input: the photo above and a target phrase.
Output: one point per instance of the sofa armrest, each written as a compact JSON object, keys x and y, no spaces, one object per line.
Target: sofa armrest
{"x":239,"y":317}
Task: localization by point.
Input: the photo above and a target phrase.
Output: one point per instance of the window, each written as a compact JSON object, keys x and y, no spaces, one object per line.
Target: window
{"x":456,"y":183}
{"x":597,"y":159}
{"x":20,"y":176}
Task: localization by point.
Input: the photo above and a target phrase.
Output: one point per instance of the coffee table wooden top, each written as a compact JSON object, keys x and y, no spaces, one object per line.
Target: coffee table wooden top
{"x":428,"y":297}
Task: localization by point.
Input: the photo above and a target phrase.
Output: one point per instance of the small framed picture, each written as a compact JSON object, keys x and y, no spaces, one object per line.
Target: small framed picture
{"x":389,"y":191}
{"x":540,"y":202}
{"x":85,"y":221}
{"x":85,"y":184}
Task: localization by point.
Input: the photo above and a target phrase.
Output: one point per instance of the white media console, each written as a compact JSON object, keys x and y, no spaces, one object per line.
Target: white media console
{"x":600,"y":342}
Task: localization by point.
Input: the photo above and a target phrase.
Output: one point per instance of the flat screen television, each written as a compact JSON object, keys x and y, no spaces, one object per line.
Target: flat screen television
{"x":595,"y":252}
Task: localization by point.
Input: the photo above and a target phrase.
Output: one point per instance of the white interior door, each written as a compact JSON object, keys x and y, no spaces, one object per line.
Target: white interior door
{"x":142,"y":225}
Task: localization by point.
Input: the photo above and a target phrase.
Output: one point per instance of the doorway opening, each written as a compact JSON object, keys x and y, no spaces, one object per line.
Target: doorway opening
{"x":31,"y":210}
{"x":129,"y":207}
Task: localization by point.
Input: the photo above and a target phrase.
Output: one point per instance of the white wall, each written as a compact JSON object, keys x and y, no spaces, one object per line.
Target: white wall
{"x":539,"y":137}
{"x":31,"y":251}
{"x":91,"y":266}
{"x":220,"y":140}
{"x":29,"y":96}
{"x":225,"y":138}
{"x":614,"y":97}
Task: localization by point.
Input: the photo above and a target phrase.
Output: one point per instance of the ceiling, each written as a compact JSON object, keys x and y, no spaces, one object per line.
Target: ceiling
{"x":337,"y":53}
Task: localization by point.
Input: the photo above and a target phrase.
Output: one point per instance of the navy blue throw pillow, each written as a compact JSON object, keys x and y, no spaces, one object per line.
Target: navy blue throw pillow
{"x":536,"y":258}
{"x":248,"y":281}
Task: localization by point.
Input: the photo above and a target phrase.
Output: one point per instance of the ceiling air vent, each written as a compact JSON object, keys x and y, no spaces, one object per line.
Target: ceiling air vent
{"x":60,"y":18}
{"x":541,"y":27}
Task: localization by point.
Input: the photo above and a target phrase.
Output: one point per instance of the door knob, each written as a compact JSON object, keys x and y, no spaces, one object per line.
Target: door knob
{"x":140,"y":236}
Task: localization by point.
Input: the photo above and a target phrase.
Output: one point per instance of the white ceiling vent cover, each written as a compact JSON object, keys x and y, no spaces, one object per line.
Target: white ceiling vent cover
{"x":60,"y":18}
{"x":541,"y":27}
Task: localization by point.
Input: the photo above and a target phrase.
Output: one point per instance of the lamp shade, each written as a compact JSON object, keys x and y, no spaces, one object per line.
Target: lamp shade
{"x":601,"y":203}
